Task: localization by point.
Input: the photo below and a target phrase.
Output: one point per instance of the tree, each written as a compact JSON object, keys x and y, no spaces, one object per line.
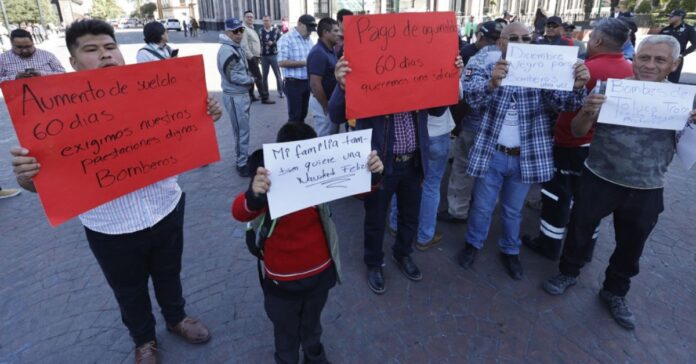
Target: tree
{"x":148,"y":10}
{"x":106,"y":9}
{"x":644,"y":7}
{"x":688,"y":5}
{"x":19,"y":11}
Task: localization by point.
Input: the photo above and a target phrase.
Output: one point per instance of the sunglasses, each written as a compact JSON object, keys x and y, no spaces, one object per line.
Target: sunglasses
{"x":237,"y":31}
{"x":517,"y":38}
{"x":552,"y":25}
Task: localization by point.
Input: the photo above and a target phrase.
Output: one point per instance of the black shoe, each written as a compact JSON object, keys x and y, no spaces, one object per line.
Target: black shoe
{"x":466,"y":257}
{"x":408,"y":268}
{"x":446,"y":217}
{"x":243,"y":171}
{"x":267,"y":102}
{"x":558,"y":284}
{"x":538,"y":246}
{"x":254,"y":99}
{"x":618,"y":309}
{"x":512,"y":265}
{"x":375,"y":280}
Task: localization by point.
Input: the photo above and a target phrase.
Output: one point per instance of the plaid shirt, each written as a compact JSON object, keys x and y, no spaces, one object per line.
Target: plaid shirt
{"x":294,"y":47}
{"x":404,"y":133}
{"x":537,"y":111}
{"x":42,"y":61}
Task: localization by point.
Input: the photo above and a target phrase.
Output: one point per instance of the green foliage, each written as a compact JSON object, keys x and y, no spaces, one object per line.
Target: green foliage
{"x":644,"y":7}
{"x":106,"y":9}
{"x":630,"y":5}
{"x":671,"y":5}
{"x":688,"y":5}
{"x":148,"y":10}
{"x":19,"y":11}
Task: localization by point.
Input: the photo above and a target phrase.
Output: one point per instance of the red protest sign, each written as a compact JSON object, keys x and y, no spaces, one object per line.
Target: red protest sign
{"x":101,"y":134}
{"x":400,"y":62}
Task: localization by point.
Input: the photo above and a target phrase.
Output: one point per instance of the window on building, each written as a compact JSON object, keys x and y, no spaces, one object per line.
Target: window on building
{"x":182,"y":2}
{"x":321,"y":8}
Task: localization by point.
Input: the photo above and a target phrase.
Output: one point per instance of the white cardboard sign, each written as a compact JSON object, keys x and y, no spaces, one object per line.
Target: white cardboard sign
{"x":541,"y":66}
{"x":310,"y":172}
{"x":645,"y":104}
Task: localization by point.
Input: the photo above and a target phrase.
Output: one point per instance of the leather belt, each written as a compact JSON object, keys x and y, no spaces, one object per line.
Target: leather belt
{"x":402,"y":158}
{"x":294,"y":79}
{"x":509,"y":151}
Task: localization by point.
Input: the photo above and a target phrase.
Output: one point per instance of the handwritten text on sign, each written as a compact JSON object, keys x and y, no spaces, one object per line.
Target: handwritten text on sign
{"x":310,"y":172}
{"x":641,"y":104}
{"x":400,"y":62}
{"x":541,"y":66}
{"x":103,"y":133}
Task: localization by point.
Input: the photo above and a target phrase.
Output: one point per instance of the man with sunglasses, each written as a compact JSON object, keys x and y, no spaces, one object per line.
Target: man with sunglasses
{"x":554,"y":33}
{"x":236,"y":82}
{"x":512,"y":149}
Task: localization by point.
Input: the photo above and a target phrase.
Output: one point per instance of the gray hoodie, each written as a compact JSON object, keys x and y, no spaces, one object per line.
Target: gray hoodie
{"x":233,"y":67}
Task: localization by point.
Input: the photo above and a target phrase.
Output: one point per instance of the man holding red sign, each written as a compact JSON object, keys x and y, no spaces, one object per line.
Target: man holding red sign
{"x":139,"y":235}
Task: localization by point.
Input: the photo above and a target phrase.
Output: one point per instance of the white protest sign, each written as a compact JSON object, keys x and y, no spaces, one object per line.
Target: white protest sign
{"x":644,"y":104}
{"x":310,"y":172}
{"x":541,"y":66}
{"x":686,"y":148}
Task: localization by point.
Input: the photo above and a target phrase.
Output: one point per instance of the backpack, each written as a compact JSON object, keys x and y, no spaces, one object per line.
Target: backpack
{"x":257,"y":232}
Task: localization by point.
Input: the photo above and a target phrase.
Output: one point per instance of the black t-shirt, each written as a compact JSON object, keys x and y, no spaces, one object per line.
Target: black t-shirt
{"x":467,"y":52}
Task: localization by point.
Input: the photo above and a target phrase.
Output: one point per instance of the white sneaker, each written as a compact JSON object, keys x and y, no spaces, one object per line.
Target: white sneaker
{"x":10,"y":192}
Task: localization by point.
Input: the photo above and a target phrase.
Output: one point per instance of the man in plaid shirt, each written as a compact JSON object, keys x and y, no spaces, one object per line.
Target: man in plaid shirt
{"x":512,"y":149}
{"x":24,"y":60}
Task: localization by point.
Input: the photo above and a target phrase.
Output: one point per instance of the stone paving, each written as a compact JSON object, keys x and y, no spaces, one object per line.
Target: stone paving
{"x":55,"y":306}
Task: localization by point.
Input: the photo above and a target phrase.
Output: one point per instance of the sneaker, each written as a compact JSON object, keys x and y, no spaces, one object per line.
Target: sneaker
{"x":618,"y":309}
{"x":408,"y":268}
{"x":9,"y":192}
{"x":559,"y":283}
{"x":243,"y":171}
{"x":447,"y":217}
{"x":466,"y":257}
{"x":375,"y":280}
{"x":537,"y":246}
{"x":512,"y":265}
{"x":436,"y":240}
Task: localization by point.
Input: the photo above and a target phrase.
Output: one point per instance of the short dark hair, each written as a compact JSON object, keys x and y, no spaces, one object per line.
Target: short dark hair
{"x":86,"y":26}
{"x":247,"y":12}
{"x":19,"y":33}
{"x":291,"y":132}
{"x":325,"y":25}
{"x":153,"y":32}
{"x":341,"y":13}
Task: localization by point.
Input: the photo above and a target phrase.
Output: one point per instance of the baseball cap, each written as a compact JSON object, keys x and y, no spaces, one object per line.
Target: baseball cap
{"x":233,"y":24}
{"x":309,"y":21}
{"x":677,"y":12}
{"x":491,"y":30}
{"x":568,"y":26}
{"x":554,"y":20}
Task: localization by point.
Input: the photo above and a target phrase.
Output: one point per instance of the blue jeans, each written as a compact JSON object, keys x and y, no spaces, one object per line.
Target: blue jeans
{"x":502,"y":179}
{"x":430,"y":197}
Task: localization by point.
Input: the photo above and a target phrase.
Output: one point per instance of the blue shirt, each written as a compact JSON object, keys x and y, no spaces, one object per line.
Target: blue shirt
{"x":294,"y":47}
{"x":321,"y":61}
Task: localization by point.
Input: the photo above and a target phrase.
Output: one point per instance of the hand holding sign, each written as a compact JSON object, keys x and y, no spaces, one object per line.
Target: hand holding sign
{"x":542,"y":66}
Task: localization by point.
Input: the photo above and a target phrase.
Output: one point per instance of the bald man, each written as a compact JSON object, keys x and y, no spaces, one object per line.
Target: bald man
{"x":512,"y":150}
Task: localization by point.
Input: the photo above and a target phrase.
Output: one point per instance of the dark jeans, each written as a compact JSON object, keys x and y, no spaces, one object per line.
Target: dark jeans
{"x":297,"y":94}
{"x":674,"y":76}
{"x":129,"y":260}
{"x":271,"y":61}
{"x":258,"y":80}
{"x":295,"y":309}
{"x":635,"y":215}
{"x":405,"y":180}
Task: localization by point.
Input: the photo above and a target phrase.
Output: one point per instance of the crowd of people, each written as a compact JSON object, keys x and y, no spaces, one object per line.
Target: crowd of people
{"x":506,"y":138}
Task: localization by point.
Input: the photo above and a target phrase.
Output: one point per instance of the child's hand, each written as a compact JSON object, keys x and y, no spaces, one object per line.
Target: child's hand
{"x":374,"y":164}
{"x":261,"y":183}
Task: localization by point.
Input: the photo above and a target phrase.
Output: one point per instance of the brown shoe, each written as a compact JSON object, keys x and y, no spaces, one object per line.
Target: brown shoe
{"x":191,"y":330}
{"x":437,"y":238}
{"x":146,"y":353}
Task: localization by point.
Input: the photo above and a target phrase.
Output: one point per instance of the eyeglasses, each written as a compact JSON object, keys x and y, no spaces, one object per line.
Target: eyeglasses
{"x":517,"y":38}
{"x":552,"y":25}
{"x":237,"y":31}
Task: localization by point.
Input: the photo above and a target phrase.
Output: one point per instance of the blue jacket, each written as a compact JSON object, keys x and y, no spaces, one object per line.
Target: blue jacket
{"x":382,"y":129}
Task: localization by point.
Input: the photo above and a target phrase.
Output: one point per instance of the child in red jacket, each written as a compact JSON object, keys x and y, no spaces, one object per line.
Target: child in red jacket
{"x":300,"y":259}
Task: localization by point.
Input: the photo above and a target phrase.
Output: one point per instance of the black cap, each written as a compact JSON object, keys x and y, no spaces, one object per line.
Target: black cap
{"x":678,"y":12}
{"x":554,"y":20}
{"x":309,"y":21}
{"x":568,"y":26}
{"x":491,"y":30}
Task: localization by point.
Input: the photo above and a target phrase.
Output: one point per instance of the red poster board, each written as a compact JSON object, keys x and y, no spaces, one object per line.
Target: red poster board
{"x":400,"y":62}
{"x":101,"y":134}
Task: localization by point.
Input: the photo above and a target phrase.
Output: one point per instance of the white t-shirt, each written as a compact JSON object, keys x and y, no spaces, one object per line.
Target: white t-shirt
{"x":438,"y":125}
{"x":510,"y":132}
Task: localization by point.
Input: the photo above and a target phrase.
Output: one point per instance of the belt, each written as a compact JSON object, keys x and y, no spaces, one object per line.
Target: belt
{"x":403,"y":158}
{"x":294,"y":79}
{"x":509,"y":151}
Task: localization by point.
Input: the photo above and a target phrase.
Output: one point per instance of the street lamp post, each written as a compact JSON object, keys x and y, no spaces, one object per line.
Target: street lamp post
{"x":41,"y":15}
